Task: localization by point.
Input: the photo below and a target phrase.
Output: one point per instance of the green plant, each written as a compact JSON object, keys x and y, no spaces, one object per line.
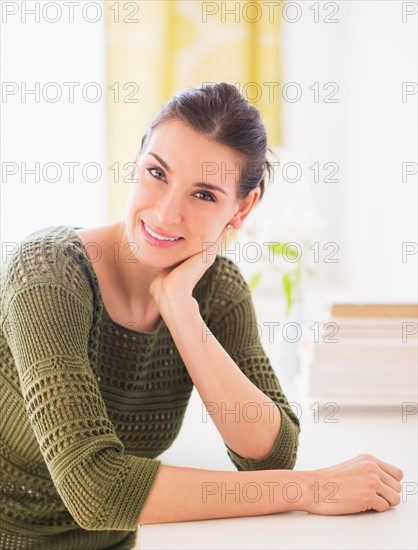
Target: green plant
{"x":291,"y":279}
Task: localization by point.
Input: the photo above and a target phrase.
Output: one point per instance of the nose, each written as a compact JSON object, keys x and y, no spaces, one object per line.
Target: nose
{"x":168,"y":209}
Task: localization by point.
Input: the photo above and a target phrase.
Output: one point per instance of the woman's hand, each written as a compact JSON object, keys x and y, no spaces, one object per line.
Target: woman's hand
{"x":356,"y":485}
{"x":176,"y":283}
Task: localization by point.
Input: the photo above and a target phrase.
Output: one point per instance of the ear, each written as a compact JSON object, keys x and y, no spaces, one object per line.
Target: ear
{"x":245,"y":207}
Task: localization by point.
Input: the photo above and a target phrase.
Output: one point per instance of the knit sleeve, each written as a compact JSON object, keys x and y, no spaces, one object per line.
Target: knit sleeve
{"x":234,"y":324}
{"x":46,"y":325}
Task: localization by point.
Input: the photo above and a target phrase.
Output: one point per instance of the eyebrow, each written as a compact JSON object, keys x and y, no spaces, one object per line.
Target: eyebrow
{"x":205,"y":185}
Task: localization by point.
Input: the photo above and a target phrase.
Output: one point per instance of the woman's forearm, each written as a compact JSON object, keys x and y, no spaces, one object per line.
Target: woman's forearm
{"x":190,"y":494}
{"x":356,"y":485}
{"x":231,"y":399}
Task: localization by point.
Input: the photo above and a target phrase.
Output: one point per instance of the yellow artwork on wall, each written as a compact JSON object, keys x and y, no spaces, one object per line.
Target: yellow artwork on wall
{"x":155,"y":48}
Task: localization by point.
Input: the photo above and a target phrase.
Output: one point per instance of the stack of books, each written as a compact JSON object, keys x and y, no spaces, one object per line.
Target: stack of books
{"x":366,"y":357}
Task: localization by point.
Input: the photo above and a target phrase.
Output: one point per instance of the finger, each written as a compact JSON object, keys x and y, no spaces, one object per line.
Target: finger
{"x":195,"y":266}
{"x":393,"y":471}
{"x":208,"y":254}
{"x":380,"y":504}
{"x":221,"y":240}
{"x":391,"y":496}
{"x":224,"y":234}
{"x":391,"y":482}
{"x":210,"y":249}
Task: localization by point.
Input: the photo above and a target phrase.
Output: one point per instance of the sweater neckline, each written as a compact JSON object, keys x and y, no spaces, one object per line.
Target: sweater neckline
{"x":96,"y":282}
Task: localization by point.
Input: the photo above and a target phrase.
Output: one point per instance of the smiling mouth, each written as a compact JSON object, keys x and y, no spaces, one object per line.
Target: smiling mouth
{"x":158,"y":236}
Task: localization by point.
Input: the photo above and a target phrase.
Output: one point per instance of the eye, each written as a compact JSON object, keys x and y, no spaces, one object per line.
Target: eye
{"x":211,"y":197}
{"x":152,"y":170}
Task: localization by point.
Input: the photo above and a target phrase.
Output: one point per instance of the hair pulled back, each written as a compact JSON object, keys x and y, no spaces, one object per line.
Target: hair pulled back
{"x":222,"y":114}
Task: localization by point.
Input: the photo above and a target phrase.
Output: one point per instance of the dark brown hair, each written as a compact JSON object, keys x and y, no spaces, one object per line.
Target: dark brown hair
{"x":222,"y":114}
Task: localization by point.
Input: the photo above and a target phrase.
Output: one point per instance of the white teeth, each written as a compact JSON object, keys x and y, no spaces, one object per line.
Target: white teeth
{"x":159,"y":237}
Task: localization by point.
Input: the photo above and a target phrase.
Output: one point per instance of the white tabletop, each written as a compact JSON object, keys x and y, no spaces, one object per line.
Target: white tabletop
{"x":384,"y":435}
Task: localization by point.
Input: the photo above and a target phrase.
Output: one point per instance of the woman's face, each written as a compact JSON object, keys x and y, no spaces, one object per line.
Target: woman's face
{"x":185,"y":186}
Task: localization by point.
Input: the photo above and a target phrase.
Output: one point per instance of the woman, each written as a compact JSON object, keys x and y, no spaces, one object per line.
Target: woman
{"x":106,"y":330}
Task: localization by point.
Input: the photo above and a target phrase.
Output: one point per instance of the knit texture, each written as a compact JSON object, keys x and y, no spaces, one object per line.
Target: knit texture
{"x":88,"y":404}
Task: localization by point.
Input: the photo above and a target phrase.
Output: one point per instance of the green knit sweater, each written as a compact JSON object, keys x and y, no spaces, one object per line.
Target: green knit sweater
{"x":88,"y":404}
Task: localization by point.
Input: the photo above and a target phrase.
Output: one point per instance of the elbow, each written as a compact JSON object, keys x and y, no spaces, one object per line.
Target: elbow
{"x":293,"y":446}
{"x":87,"y":500}
{"x":86,"y":514}
{"x":292,"y":461}
{"x":100,"y":519}
{"x":99,"y":499}
{"x":283,"y":456}
{"x":88,"y":524}
{"x":93,"y":512}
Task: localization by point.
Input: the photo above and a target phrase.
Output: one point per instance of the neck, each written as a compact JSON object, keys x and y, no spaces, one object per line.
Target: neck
{"x":132,"y":277}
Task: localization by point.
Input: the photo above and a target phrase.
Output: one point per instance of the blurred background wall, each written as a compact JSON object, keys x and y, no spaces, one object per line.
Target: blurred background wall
{"x":159,"y":48}
{"x":336,"y":84}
